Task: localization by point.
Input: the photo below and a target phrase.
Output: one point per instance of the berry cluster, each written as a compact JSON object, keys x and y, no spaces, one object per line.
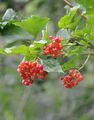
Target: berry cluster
{"x":30,"y":71}
{"x":72,"y":79}
{"x":54,"y":48}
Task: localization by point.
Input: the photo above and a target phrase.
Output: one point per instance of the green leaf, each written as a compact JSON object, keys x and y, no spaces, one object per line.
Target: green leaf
{"x":12,"y":33}
{"x":82,"y":24}
{"x":3,"y":24}
{"x":30,"y":52}
{"x":75,"y":23}
{"x":32,"y":55}
{"x":35,"y":49}
{"x":73,"y":61}
{"x":90,"y":23}
{"x":84,"y":43}
{"x":65,"y":21}
{"x":69,"y":65}
{"x":33,"y":25}
{"x":37,"y":45}
{"x":83,"y":33}
{"x":88,"y":4}
{"x":77,"y":50}
{"x":51,"y":65}
{"x":22,"y":50}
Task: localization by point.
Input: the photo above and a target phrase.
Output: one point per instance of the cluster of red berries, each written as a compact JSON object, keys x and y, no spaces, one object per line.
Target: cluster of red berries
{"x":30,"y":71}
{"x":72,"y":79}
{"x":54,"y":48}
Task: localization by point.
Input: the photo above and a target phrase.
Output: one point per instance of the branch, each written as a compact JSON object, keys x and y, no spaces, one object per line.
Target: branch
{"x":85,"y":61}
{"x":68,"y":3}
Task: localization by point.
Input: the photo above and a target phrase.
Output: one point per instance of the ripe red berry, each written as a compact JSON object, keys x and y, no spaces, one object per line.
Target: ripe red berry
{"x":57,"y":39}
{"x":40,"y":67}
{"x":62,"y":77}
{"x":51,"y":37}
{"x":34,"y":64}
{"x":54,"y":48}
{"x":60,"y":47}
{"x":30,"y":71}
{"x":71,"y":72}
{"x":54,"y":55}
{"x":41,"y":72}
{"x":77,"y":75}
{"x":42,"y":77}
{"x":72,"y":79}
{"x":46,"y":52}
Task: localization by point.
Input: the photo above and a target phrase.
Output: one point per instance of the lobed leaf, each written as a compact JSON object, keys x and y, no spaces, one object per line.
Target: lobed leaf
{"x":22,"y":50}
{"x":66,"y":20}
{"x":33,"y":25}
{"x":11,"y":33}
{"x":51,"y":65}
{"x":68,"y":65}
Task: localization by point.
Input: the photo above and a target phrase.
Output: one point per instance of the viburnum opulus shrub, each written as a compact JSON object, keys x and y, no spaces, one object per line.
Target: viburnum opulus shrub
{"x":30,"y":71}
{"x":65,"y":52}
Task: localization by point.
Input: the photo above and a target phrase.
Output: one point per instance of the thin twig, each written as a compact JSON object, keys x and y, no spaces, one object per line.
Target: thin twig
{"x":68,"y":3}
{"x":85,"y":61}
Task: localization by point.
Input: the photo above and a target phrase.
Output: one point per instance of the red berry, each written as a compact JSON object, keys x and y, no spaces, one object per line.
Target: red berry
{"x":68,"y":77}
{"x":47,"y":52}
{"x":34,"y":64}
{"x":77,"y":75}
{"x":45,"y":72}
{"x":41,"y":72}
{"x":54,"y":55}
{"x":72,"y":79}
{"x":62,"y":77}
{"x":81,"y":77}
{"x":42,"y":77}
{"x":60,"y":47}
{"x":54,"y":48}
{"x":40,"y":67}
{"x":26,"y":83}
{"x":29,"y":71}
{"x":74,"y":75}
{"x":51,"y":37}
{"x":71,"y":72}
{"x":57,"y":39}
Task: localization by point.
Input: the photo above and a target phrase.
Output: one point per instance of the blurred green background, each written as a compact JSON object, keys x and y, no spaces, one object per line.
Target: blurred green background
{"x":48,"y":100}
